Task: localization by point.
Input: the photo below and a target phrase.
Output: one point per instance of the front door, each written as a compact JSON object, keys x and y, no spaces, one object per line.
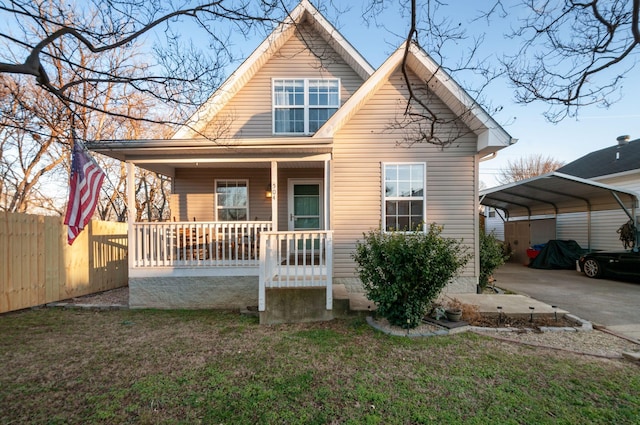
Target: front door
{"x":305,"y":204}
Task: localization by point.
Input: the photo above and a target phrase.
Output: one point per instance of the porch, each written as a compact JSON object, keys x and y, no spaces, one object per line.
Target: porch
{"x":194,"y":251}
{"x":252,"y":216}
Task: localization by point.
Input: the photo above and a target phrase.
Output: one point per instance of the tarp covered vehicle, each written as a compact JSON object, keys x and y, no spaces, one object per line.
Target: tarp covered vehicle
{"x":558,"y":254}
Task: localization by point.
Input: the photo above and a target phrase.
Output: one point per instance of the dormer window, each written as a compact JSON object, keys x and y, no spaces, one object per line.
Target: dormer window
{"x":302,"y":106}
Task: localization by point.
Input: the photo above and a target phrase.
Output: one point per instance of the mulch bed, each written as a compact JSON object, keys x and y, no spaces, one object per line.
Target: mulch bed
{"x":521,"y":322}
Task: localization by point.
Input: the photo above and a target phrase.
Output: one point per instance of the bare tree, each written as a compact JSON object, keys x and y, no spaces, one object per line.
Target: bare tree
{"x":565,"y":46}
{"x":152,"y":190}
{"x":175,"y":70}
{"x":568,"y":53}
{"x":37,"y":126}
{"x":32,"y":131}
{"x":574,"y":53}
{"x":527,"y":167}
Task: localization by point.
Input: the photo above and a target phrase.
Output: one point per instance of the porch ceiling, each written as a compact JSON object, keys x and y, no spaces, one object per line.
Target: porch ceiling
{"x":164,"y":156}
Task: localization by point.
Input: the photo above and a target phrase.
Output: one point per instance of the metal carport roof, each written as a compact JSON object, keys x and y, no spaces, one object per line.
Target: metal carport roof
{"x":556,"y":193}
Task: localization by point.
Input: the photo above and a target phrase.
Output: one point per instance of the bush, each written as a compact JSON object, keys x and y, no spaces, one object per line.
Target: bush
{"x":404,"y":272}
{"x":492,"y":256}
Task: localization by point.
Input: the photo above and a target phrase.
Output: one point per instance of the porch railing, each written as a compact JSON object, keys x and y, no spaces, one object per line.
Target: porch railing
{"x":175,"y":244}
{"x":296,"y":260}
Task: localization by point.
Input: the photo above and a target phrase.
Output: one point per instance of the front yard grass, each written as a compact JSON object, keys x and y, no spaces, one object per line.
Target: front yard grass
{"x":189,"y":367}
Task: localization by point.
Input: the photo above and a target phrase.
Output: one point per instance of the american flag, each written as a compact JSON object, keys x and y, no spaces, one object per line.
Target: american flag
{"x":85,"y":182}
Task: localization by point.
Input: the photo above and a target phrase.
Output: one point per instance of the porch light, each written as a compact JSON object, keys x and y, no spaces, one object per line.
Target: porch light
{"x":268,"y":194}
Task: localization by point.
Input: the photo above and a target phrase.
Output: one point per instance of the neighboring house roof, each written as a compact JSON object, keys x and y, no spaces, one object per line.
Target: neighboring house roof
{"x":491,"y":136}
{"x":616,"y":159}
{"x":264,"y":52}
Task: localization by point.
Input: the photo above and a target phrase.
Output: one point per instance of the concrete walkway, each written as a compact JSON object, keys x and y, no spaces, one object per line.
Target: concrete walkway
{"x":613,"y":304}
{"x":608,"y":303}
{"x":487,"y":303}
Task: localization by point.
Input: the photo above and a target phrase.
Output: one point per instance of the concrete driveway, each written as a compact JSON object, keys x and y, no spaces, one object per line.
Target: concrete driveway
{"x":611,"y":303}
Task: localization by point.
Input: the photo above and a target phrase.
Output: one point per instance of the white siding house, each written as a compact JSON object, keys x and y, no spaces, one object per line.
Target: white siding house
{"x":301,"y":157}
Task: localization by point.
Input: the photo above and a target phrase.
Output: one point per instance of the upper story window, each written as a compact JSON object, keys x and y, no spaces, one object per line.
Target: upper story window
{"x":302,"y":106}
{"x":403,"y":196}
{"x":232,"y":200}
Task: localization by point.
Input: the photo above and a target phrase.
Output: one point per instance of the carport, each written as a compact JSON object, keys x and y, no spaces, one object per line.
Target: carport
{"x":555,"y":193}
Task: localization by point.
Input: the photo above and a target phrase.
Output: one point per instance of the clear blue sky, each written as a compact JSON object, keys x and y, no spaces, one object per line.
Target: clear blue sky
{"x":595,"y":128}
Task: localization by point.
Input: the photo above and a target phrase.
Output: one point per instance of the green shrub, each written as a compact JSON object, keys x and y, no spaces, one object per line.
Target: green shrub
{"x":492,"y":256}
{"x":404,"y":272}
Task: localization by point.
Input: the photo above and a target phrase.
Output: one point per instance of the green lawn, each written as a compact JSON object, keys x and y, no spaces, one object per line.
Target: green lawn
{"x":188,"y":367}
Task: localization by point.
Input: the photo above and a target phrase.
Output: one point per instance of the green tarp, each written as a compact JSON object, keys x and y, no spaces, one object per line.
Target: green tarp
{"x":558,"y":254}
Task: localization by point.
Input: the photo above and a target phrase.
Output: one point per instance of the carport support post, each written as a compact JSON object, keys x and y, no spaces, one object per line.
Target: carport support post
{"x":635,"y":219}
{"x":636,"y":246}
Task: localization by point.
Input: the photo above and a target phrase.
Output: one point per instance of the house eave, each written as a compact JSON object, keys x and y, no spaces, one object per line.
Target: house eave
{"x":491,"y":141}
{"x":164,"y":156}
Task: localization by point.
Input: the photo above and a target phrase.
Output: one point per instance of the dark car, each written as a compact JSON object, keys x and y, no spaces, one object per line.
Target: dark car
{"x":611,"y":263}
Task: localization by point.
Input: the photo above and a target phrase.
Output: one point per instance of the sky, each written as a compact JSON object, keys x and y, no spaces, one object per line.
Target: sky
{"x":595,"y":127}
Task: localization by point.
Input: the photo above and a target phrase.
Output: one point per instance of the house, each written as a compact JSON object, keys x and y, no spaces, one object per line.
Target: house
{"x":587,"y":200}
{"x":284,"y":168}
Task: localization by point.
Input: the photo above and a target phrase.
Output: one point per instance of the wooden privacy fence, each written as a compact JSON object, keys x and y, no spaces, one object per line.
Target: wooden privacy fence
{"x":37,"y":266}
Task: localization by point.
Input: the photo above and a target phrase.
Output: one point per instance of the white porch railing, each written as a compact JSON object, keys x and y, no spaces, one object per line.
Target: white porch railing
{"x":194,"y":244}
{"x":296,"y":260}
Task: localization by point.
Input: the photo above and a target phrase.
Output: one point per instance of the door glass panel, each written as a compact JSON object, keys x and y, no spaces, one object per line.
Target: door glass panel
{"x":307,"y":223}
{"x":306,"y":206}
{"x":306,"y":189}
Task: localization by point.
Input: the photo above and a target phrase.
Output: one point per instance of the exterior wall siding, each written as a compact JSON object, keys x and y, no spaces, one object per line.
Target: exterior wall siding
{"x":604,"y":226}
{"x":194,"y":191}
{"x":248,"y":114}
{"x":359,"y":150}
{"x":495,"y":225}
{"x":629,"y":181}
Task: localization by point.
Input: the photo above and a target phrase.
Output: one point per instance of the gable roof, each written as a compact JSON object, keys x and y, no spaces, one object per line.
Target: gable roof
{"x":491,"y":136}
{"x":612,"y":160}
{"x":305,"y":11}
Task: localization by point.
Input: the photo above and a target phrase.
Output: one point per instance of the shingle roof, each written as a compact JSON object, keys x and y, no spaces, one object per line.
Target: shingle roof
{"x":607,"y":161}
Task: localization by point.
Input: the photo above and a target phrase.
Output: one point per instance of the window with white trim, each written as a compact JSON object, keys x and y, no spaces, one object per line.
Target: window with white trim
{"x":403,"y":196}
{"x":303,"y":105}
{"x":232,"y":200}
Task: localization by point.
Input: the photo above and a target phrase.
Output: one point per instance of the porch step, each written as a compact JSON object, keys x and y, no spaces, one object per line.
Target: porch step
{"x":348,"y":304}
{"x":295,"y":305}
{"x":308,"y":304}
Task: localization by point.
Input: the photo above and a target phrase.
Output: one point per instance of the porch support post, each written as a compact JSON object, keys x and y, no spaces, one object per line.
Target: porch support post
{"x":327,"y":207}
{"x":131,"y":211}
{"x":329,"y":254}
{"x":274,"y":196}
